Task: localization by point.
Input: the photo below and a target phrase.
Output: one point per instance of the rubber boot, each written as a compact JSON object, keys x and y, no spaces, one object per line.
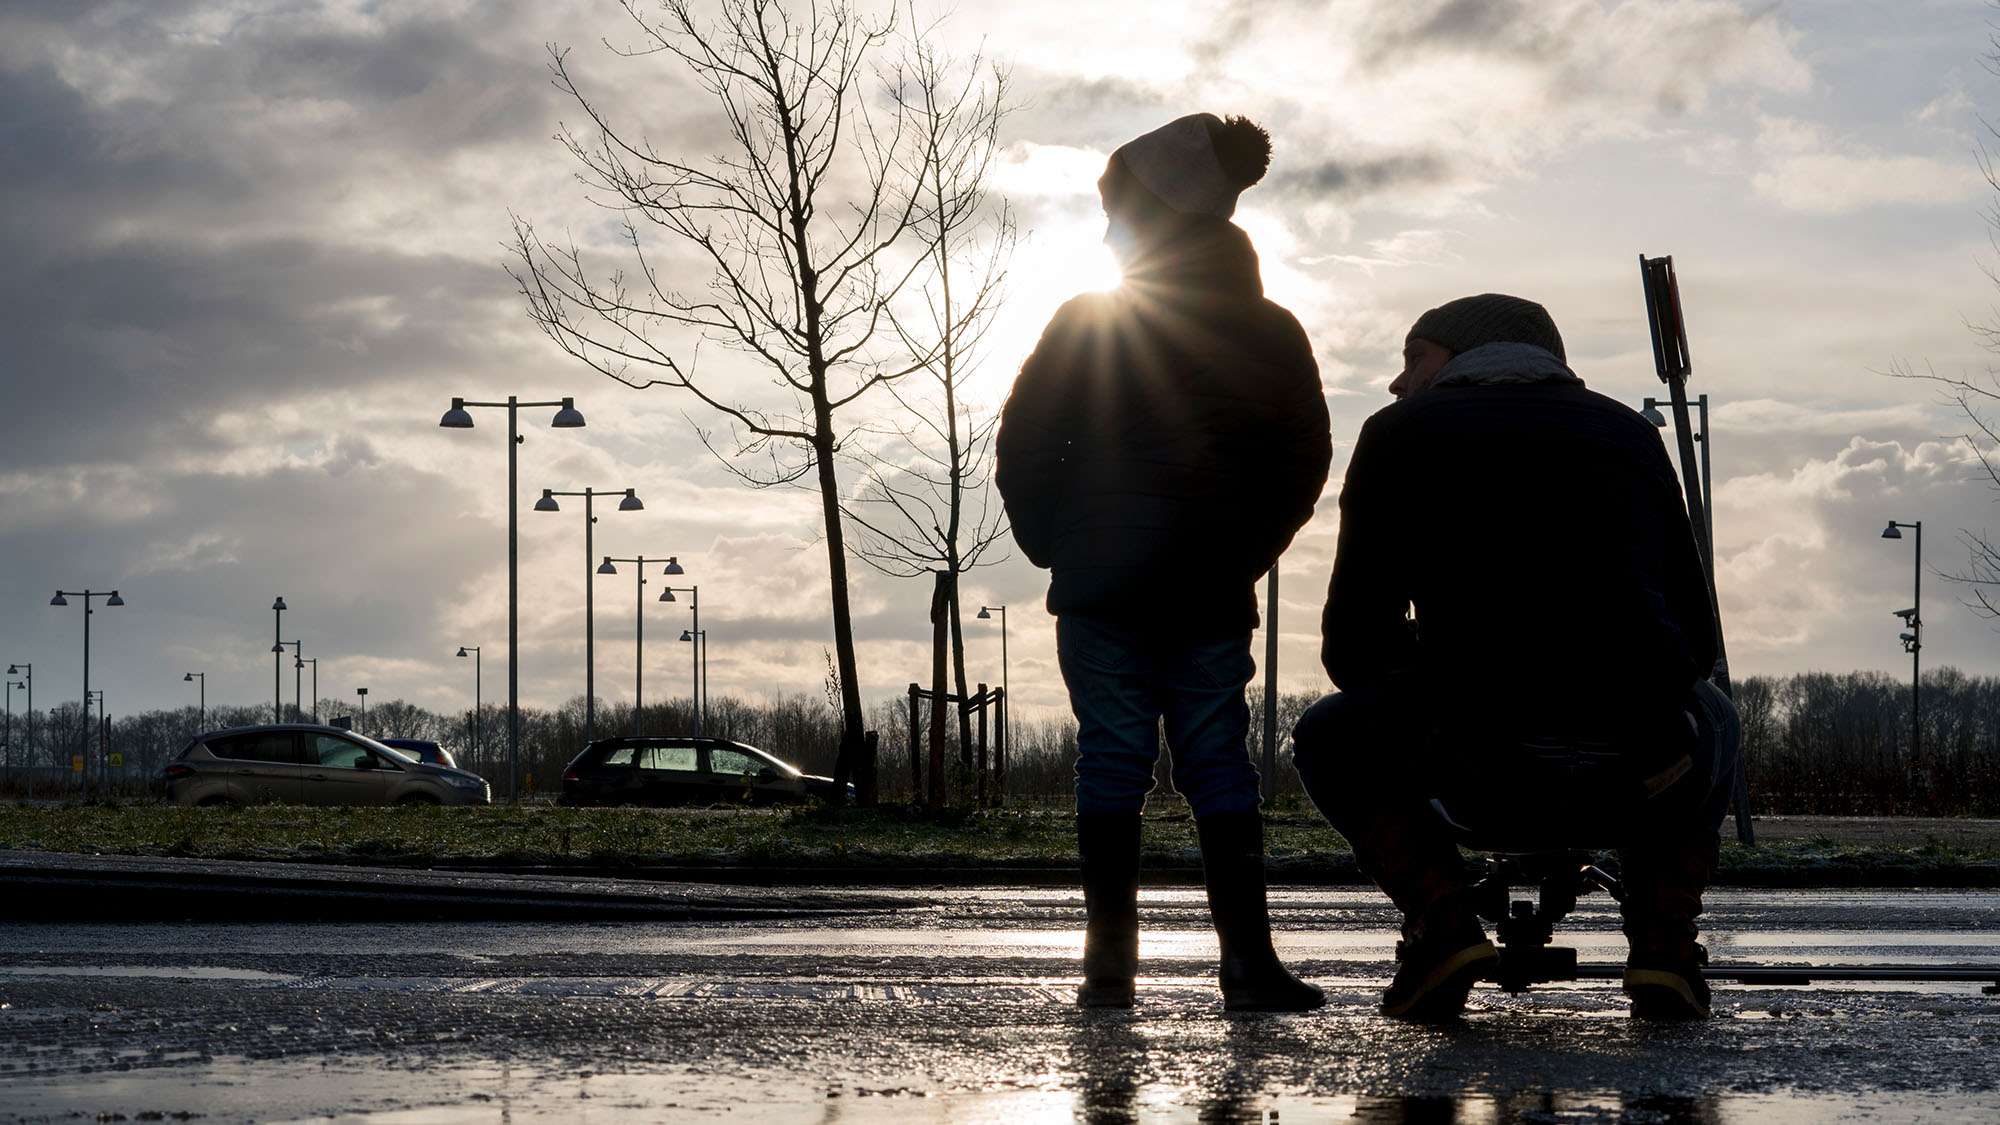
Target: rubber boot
{"x":1232,"y":861}
{"x":1663,"y":886}
{"x":1444,"y":951}
{"x":1109,"y":846}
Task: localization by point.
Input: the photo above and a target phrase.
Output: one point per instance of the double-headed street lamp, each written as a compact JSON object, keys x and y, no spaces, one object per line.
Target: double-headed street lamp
{"x":567,"y":417}
{"x":27,"y":673}
{"x":699,"y":652}
{"x":629,"y":504}
{"x":638,"y":562}
{"x":298,"y":672}
{"x":111,"y":598}
{"x":474,"y":650}
{"x":201,"y":714}
{"x":277,"y":666}
{"x":986,"y":613}
{"x":1913,"y":641}
{"x":699,"y":639}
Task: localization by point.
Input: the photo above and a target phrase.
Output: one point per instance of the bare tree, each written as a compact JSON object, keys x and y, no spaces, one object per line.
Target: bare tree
{"x":1978,"y":400}
{"x":796,"y":228}
{"x":927,"y":506}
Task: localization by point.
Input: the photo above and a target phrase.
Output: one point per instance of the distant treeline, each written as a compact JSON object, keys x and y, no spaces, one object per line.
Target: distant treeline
{"x":1814,"y":743}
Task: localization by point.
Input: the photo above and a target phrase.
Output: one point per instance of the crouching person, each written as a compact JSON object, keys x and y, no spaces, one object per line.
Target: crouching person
{"x":1520,"y":631}
{"x":1170,"y":426}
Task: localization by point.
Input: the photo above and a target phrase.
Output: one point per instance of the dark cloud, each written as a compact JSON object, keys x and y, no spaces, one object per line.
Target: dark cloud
{"x":1353,"y":178}
{"x":1087,"y":113}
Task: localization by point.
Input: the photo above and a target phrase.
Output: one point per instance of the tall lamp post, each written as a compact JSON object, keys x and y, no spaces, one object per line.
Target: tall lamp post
{"x":567,"y":417}
{"x":27,"y":672}
{"x":277,"y":668}
{"x":474,"y":650}
{"x":111,"y":598}
{"x":363,"y":693}
{"x":638,"y":562}
{"x":314,"y":661}
{"x":201,"y":714}
{"x":700,"y":652}
{"x":699,"y":639}
{"x":629,"y":504}
{"x":1913,"y":641}
{"x":298,"y":674}
{"x":1006,"y":693}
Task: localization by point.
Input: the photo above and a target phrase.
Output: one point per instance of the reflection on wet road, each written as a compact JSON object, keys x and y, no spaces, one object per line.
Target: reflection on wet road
{"x":954,"y":1007}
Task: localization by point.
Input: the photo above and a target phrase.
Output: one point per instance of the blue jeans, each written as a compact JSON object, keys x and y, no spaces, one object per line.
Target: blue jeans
{"x":1122,"y":683}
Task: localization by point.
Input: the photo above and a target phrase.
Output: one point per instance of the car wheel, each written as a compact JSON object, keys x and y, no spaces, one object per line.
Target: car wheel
{"x":413,"y":799}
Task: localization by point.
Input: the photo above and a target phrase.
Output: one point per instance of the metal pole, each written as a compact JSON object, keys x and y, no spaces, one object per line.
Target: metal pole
{"x":84,"y":774}
{"x":31,"y":730}
{"x":277,"y":660}
{"x":589,"y":625}
{"x":513,"y":604}
{"x":639,"y":653}
{"x":1270,"y":785}
{"x":298,"y":680}
{"x":315,"y":689}
{"x":1916,"y":648}
{"x":696,"y":650}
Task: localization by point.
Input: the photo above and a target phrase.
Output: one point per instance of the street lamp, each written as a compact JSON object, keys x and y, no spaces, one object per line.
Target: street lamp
{"x":701,"y":668}
{"x":1651,"y":413}
{"x":1006,"y":694}
{"x":28,"y":675}
{"x":629,"y":504}
{"x":639,"y":633}
{"x":201,"y":716}
{"x":474,"y":650}
{"x":566,"y":417}
{"x":298,"y":673}
{"x":1913,"y":641}
{"x":111,"y":598}
{"x":363,"y":693}
{"x":314,"y":661}
{"x":277,"y":669}
{"x":11,"y":685}
{"x":699,"y":639}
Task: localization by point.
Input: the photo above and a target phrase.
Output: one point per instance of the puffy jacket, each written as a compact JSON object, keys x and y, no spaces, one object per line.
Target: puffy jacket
{"x":1166,"y":439}
{"x":1539,"y":535}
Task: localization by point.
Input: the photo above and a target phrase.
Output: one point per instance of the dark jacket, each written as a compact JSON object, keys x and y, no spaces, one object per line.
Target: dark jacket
{"x":1166,"y":439}
{"x":1539,"y":534}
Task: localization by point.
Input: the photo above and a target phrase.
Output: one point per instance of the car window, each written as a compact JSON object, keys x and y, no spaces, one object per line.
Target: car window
{"x":617,"y":756}
{"x":667,"y":758}
{"x":332,"y":750}
{"x":256,"y":746}
{"x":732,"y":761}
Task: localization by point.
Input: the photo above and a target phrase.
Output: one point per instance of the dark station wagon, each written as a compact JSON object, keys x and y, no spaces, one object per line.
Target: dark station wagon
{"x":686,"y":770}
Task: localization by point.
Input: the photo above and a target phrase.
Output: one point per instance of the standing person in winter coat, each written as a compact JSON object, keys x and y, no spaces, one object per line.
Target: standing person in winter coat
{"x":1550,"y":688}
{"x":1159,"y":450}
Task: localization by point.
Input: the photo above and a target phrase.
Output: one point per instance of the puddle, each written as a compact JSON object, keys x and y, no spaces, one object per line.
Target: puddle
{"x":162,"y":972}
{"x":303,"y":1092}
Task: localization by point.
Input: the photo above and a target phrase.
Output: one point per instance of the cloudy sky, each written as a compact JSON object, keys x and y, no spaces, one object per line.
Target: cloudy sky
{"x":249,"y":250}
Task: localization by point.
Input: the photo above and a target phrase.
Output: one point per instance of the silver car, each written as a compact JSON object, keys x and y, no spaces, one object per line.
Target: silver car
{"x":306,"y":764}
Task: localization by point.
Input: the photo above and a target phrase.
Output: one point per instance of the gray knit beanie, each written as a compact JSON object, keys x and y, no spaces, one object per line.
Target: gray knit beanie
{"x":1489,"y":318}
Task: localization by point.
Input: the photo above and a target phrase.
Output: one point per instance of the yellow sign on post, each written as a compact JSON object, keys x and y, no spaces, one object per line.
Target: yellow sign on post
{"x":118,"y":759}
{"x":76,"y":763}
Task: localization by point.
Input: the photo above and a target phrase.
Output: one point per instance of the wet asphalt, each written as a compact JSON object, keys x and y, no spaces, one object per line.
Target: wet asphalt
{"x":661,"y":1002}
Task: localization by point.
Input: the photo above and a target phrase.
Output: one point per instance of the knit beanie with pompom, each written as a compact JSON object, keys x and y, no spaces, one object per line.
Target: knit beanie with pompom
{"x":1197,"y":164}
